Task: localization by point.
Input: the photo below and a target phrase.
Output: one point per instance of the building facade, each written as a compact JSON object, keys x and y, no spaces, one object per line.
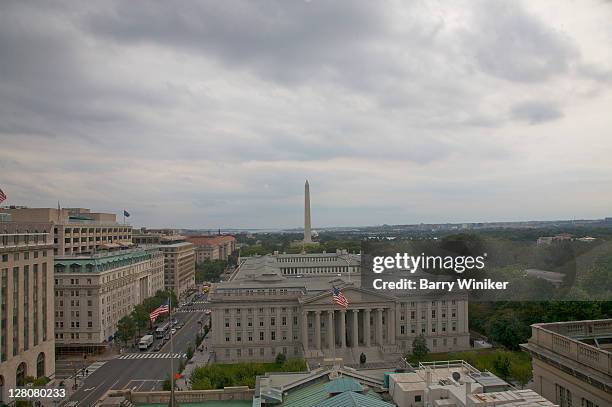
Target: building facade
{"x":282,"y":303}
{"x":78,"y":230}
{"x":213,"y":247}
{"x":179,"y":266}
{"x":26,"y":303}
{"x":92,"y":293}
{"x":572,"y":362}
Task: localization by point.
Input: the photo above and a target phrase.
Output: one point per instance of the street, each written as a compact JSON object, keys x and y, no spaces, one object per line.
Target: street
{"x":143,"y":371}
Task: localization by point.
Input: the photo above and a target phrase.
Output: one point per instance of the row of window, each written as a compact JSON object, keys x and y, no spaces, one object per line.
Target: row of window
{"x":26,"y":255}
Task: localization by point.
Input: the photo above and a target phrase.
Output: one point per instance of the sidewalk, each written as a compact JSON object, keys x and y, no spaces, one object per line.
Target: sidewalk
{"x":200,"y":358}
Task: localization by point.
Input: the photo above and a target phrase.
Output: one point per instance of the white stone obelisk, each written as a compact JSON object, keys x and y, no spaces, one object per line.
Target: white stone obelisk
{"x":307,"y":232}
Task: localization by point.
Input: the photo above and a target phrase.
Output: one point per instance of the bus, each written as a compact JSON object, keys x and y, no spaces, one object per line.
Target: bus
{"x":161,"y":331}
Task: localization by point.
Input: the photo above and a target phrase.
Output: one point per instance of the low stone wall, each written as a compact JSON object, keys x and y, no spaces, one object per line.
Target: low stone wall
{"x":191,"y":396}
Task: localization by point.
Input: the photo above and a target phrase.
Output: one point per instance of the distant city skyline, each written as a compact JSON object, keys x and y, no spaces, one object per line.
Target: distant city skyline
{"x":413,"y":112}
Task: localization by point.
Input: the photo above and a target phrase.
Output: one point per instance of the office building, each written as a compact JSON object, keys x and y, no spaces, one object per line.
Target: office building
{"x":213,"y":247}
{"x":78,"y":230}
{"x":282,"y":303}
{"x":26,"y":303}
{"x":93,"y":292}
{"x":572,"y":362}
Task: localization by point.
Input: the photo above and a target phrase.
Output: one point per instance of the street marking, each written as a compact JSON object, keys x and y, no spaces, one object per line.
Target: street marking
{"x":130,"y":356}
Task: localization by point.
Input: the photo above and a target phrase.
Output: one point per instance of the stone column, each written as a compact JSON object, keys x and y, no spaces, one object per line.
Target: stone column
{"x":391,"y":325}
{"x":330,"y":329}
{"x":366,"y":324}
{"x":355,"y":333}
{"x":317,"y":330}
{"x":305,"y":330}
{"x":379,"y":326}
{"x":343,"y":328}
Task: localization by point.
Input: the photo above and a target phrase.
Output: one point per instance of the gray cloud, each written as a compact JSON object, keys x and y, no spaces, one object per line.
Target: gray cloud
{"x":536,"y":112}
{"x":510,"y":43}
{"x":206,"y":113}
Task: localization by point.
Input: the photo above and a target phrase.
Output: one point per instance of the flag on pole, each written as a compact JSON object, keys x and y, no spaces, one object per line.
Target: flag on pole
{"x":162,"y":309}
{"x":339,"y":298}
{"x":126,"y":213}
{"x":2,"y":196}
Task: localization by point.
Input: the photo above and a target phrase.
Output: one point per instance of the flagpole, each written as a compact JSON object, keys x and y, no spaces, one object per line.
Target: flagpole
{"x":171,"y":355}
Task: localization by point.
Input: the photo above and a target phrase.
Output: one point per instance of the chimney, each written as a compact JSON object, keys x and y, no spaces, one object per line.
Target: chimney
{"x":468,"y":389}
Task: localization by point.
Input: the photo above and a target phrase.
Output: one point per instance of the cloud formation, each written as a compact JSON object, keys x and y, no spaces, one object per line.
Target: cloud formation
{"x":212,"y":114}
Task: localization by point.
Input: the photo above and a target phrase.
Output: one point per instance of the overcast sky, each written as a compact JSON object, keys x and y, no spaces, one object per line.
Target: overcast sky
{"x":213,"y":113}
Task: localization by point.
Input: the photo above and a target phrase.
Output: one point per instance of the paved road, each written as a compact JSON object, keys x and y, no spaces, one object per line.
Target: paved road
{"x":146,"y":373}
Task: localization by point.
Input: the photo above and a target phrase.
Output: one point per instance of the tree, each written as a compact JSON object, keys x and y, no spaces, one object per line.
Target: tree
{"x":522,"y":373}
{"x":280,"y":358}
{"x":508,"y":330}
{"x":419,"y":347}
{"x":501,"y":365}
{"x":140,"y":317}
{"x":189,"y":352}
{"x":126,"y":328}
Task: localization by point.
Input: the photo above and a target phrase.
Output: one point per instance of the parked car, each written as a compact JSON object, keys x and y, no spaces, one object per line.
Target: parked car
{"x":173,"y":331}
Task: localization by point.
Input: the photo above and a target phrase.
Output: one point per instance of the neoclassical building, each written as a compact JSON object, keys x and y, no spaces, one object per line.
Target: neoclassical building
{"x":282,"y":303}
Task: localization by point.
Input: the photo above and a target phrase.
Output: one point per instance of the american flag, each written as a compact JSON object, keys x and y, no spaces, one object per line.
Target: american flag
{"x":2,"y":196}
{"x":339,"y":298}
{"x":162,"y":309}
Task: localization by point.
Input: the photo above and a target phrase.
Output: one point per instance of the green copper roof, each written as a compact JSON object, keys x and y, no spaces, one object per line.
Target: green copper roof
{"x":342,"y":384}
{"x":100,"y":262}
{"x":352,"y":399}
{"x":306,"y":396}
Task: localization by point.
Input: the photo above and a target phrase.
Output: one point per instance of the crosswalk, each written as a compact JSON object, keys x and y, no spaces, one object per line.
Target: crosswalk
{"x":94,"y":366}
{"x":153,"y":355}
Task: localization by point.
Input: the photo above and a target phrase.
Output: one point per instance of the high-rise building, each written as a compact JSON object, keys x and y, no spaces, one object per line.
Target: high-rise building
{"x":179,"y":257}
{"x":78,"y":230}
{"x":93,"y":292}
{"x":572,"y":362}
{"x":26,"y":303}
{"x":307,"y":226}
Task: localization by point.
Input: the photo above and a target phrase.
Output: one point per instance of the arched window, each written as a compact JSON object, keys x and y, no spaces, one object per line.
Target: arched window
{"x":22,"y":370}
{"x":40,"y":365}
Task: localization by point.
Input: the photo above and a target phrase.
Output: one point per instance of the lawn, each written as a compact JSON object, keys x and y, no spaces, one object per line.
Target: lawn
{"x":217,"y":376}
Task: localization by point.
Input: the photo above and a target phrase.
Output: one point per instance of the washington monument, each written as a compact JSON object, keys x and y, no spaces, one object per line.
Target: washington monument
{"x":307,"y":232}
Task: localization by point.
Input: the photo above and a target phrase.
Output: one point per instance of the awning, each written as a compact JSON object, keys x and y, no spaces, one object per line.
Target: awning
{"x":109,"y":246}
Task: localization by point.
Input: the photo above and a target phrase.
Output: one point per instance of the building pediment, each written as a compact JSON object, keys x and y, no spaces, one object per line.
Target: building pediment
{"x":355,"y":296}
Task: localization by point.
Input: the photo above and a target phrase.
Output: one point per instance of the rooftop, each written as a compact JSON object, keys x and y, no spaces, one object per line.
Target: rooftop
{"x":210,"y":240}
{"x":579,"y":348}
{"x":96,"y":263}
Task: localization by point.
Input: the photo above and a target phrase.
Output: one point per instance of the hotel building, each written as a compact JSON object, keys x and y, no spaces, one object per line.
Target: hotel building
{"x":26,"y":303}
{"x":78,"y":230}
{"x":93,"y":292}
{"x":572,"y":362}
{"x":282,"y":303}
